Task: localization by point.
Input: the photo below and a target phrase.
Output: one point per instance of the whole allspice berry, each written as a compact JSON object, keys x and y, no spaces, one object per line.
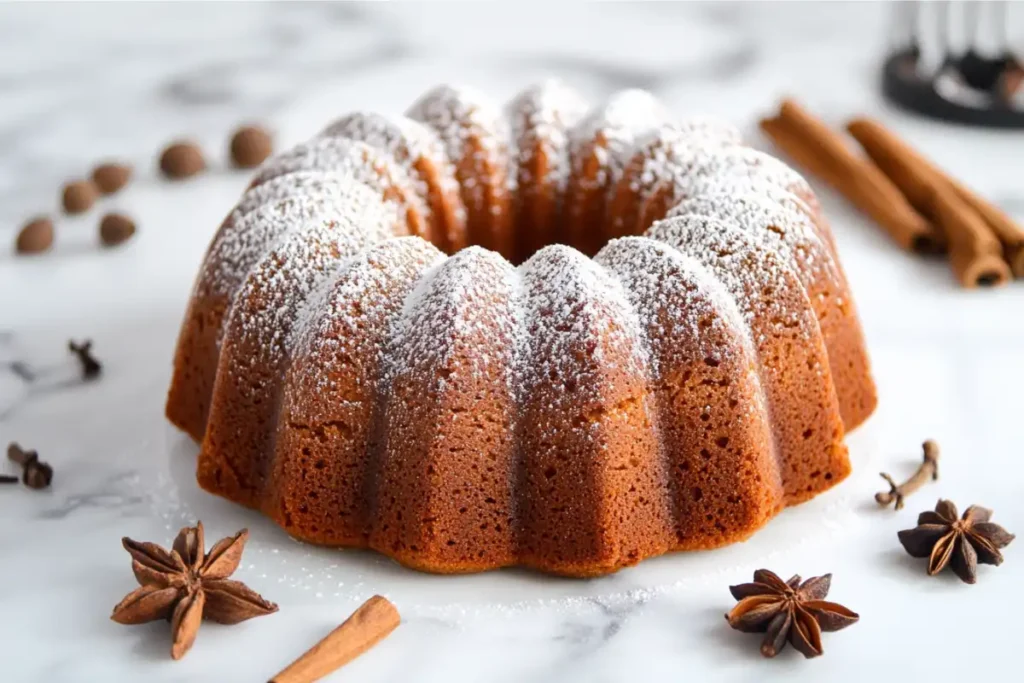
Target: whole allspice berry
{"x":250,"y":146}
{"x":36,"y":237}
{"x":182,"y":160}
{"x":116,"y":228}
{"x":110,"y":177}
{"x":79,"y":196}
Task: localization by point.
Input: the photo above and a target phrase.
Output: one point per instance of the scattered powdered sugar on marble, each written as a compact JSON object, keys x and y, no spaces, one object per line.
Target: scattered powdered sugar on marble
{"x":610,"y":133}
{"x":541,"y":117}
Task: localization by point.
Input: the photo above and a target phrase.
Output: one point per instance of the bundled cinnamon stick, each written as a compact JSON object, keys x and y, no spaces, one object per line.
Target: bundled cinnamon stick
{"x":918,"y":178}
{"x":823,"y":152}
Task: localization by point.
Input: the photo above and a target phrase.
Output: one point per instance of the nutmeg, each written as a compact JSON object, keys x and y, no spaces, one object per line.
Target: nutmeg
{"x":116,"y":228}
{"x":36,"y":237}
{"x":182,"y":160}
{"x":250,"y":146}
{"x":79,"y":196}
{"x":110,"y":177}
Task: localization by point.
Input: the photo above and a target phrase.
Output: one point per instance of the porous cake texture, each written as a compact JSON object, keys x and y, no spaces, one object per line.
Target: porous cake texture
{"x":542,"y":334}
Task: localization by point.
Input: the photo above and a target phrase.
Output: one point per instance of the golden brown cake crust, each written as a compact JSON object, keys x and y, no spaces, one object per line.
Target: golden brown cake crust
{"x":361,"y":361}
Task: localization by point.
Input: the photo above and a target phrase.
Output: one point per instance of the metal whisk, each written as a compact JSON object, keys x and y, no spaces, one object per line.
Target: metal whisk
{"x":954,"y":61}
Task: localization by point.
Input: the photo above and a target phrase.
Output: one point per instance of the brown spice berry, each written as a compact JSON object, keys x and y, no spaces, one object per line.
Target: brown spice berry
{"x":182,"y":160}
{"x":250,"y":146}
{"x":79,"y":196}
{"x":111,"y":177}
{"x":36,"y":236}
{"x":116,"y":228}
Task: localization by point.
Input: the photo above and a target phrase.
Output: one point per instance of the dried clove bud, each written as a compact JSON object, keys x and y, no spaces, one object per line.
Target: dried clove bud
{"x":91,"y":367}
{"x":929,"y":470}
{"x":8,"y":479}
{"x":36,"y":474}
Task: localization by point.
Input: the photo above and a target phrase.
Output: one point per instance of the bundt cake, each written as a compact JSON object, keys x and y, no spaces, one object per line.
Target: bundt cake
{"x":399,"y":340}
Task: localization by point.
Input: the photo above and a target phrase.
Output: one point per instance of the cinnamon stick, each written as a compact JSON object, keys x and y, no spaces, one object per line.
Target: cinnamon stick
{"x":367,"y":626}
{"x":975,"y":254}
{"x":822,"y":152}
{"x":889,"y":151}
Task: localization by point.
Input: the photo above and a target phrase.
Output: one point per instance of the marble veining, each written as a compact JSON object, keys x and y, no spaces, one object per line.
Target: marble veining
{"x":80,"y":82}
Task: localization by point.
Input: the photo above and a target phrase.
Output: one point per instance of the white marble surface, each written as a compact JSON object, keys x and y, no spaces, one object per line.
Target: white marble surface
{"x":79,"y":82}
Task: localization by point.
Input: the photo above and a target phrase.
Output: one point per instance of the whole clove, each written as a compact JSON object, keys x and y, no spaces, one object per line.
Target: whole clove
{"x":8,"y":479}
{"x":91,"y":367}
{"x":928,"y":471}
{"x":36,"y":474}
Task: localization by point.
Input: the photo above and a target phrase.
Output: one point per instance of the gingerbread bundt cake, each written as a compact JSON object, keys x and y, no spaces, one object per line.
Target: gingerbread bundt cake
{"x":399,"y":340}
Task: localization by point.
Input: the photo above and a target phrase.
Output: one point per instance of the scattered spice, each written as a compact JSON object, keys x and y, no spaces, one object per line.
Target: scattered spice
{"x":91,"y":368}
{"x":958,"y":543}
{"x":182,"y":160}
{"x":250,"y":146}
{"x":110,"y":177}
{"x":36,"y":236}
{"x":8,"y":479}
{"x":787,"y":611}
{"x":116,"y":228}
{"x":929,"y":470}
{"x":185,"y":584}
{"x":79,"y":196}
{"x":371,"y":623}
{"x":36,"y":474}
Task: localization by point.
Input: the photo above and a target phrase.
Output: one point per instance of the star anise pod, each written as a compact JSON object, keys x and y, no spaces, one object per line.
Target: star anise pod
{"x":960,"y":543}
{"x":186,"y":585}
{"x":787,"y":611}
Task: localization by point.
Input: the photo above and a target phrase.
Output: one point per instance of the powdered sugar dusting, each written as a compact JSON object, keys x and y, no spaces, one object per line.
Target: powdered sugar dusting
{"x":458,"y":114}
{"x":367,"y":165}
{"x":653,"y":275}
{"x":403,"y":140}
{"x":662,"y":151}
{"x":455,"y":300}
{"x":714,"y":163}
{"x":610,"y":133}
{"x":280,"y":187}
{"x":541,"y":117}
{"x":244,"y":241}
{"x":774,"y":217}
{"x":290,"y":270}
{"x":353,"y":304}
{"x":748,"y":270}
{"x":573,"y":306}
